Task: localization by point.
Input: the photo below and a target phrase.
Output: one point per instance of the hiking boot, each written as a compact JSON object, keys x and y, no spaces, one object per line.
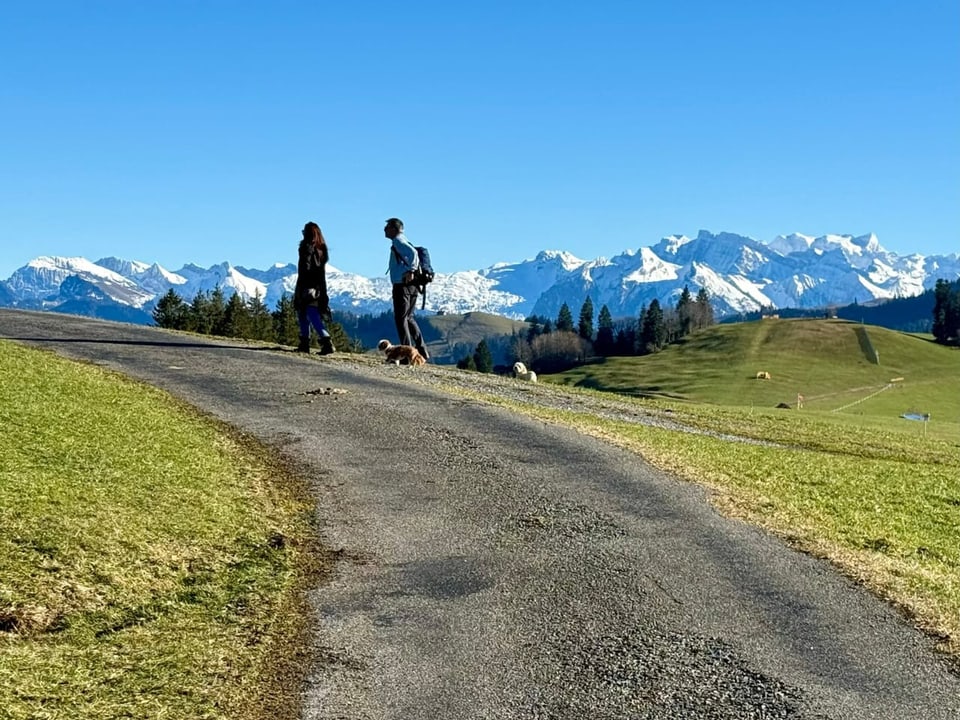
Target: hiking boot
{"x":304,"y":345}
{"x":423,"y":351}
{"x":326,"y":346}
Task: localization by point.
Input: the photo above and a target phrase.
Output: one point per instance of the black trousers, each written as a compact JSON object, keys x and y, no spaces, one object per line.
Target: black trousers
{"x":404,"y":303}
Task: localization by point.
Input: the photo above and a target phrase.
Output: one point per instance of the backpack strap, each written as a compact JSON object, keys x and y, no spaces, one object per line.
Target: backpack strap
{"x":400,"y":257}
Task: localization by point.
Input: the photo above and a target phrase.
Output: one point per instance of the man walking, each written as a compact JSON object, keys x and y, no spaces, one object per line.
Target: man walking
{"x":403,"y":261}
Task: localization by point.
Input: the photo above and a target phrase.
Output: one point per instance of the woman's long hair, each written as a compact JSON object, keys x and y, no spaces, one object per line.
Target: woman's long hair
{"x":313,"y":233}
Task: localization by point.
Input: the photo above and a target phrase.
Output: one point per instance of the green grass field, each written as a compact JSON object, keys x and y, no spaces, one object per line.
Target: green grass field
{"x":828,"y":363}
{"x":151,"y":561}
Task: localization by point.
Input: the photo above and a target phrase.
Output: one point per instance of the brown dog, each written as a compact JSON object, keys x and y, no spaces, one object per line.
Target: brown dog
{"x":401,"y":354}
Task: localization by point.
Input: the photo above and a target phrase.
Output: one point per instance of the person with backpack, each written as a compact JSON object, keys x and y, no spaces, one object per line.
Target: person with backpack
{"x":310,"y":298}
{"x":404,"y":261}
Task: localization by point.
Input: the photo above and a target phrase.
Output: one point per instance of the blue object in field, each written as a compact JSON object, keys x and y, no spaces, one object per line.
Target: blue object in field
{"x":916,"y":416}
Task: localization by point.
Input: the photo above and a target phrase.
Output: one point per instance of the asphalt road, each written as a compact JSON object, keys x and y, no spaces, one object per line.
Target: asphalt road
{"x":492,"y":566}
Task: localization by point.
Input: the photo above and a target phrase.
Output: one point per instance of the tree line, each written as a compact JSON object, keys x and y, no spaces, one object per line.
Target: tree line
{"x":211,"y":313}
{"x":557,"y":345}
{"x":946,"y":312}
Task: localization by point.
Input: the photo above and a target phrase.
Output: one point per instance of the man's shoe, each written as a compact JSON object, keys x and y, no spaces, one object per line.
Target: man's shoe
{"x":304,"y":345}
{"x":423,"y":351}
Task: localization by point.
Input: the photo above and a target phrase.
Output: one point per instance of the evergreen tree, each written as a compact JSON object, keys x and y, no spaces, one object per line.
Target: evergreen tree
{"x":564,"y":319}
{"x":286,"y":330}
{"x":953,"y":315}
{"x":585,"y":327}
{"x":685,"y":311}
{"x":941,"y":311}
{"x":653,"y":332}
{"x":261,"y":324}
{"x":171,"y":312}
{"x":198,"y":314}
{"x":625,"y":340}
{"x":341,"y":341}
{"x":217,"y":312}
{"x":535,"y":328}
{"x":236,"y":318}
{"x":548,"y":326}
{"x":467,"y":363}
{"x":483,"y":358}
{"x":605,"y":339}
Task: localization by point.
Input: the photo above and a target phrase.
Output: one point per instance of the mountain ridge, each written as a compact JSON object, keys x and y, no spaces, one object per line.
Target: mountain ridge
{"x":740,"y":274}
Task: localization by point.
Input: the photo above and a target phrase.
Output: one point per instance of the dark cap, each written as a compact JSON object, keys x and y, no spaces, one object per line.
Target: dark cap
{"x":396,"y":223}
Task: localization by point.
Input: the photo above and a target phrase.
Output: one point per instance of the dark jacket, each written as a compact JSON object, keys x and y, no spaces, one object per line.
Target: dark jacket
{"x":311,"y":286}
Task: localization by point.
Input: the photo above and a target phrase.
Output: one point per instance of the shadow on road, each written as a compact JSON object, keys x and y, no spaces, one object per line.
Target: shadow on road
{"x":146,"y":343}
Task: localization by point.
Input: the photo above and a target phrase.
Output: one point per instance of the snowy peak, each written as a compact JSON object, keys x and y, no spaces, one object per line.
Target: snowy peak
{"x":43,"y":276}
{"x":740,"y":274}
{"x":793,"y":243}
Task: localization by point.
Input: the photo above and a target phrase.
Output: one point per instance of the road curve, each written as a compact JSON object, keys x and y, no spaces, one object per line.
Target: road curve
{"x":493,"y":566}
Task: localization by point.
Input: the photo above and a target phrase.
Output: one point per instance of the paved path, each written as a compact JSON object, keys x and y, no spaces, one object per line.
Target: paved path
{"x":492,"y":566}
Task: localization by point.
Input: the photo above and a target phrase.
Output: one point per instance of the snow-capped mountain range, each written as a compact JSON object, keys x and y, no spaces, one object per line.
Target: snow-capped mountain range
{"x":740,"y":274}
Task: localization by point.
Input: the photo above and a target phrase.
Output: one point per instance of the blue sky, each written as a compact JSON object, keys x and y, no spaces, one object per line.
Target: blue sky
{"x":205,"y":131}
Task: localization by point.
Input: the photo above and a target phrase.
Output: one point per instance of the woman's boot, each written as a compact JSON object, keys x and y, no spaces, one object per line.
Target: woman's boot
{"x":326,"y":346}
{"x":304,"y":345}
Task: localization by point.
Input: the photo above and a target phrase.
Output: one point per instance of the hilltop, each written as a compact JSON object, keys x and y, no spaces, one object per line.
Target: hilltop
{"x":830,"y":363}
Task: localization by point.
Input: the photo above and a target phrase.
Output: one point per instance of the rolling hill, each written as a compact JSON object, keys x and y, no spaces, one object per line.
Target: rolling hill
{"x":834,"y":365}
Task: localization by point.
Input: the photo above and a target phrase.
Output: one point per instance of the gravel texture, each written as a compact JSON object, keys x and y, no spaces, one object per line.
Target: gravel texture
{"x":494,"y":566}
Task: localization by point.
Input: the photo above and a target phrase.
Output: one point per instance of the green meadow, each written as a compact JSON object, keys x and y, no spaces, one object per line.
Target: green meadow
{"x":831,"y":364}
{"x":151,"y":560}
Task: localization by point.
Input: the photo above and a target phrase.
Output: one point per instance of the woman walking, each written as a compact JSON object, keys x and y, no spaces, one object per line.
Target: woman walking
{"x":310,"y":296}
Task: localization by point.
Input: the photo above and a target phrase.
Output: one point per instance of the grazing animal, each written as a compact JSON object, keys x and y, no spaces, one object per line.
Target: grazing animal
{"x":401,"y":354}
{"x":521,"y":373}
{"x":763,"y":375}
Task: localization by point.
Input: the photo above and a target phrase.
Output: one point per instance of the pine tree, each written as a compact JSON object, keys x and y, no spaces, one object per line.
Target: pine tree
{"x":605,"y":339}
{"x":653,"y":332}
{"x":483,"y":358}
{"x":286,"y":329}
{"x":564,"y":319}
{"x":171,"y":312}
{"x":236,"y":318}
{"x":685,"y":312}
{"x":941,"y":311}
{"x":585,"y":326}
{"x":261,"y":324}
{"x":198,"y":314}
{"x":953,"y":315}
{"x":467,"y":363}
{"x":217,"y":312}
{"x":341,"y":341}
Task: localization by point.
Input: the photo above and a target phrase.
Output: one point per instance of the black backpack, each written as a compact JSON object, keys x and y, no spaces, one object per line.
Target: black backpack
{"x":423,"y":273}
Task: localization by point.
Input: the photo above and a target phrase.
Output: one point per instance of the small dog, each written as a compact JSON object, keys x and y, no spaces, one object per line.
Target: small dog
{"x":521,"y":373}
{"x":401,"y":354}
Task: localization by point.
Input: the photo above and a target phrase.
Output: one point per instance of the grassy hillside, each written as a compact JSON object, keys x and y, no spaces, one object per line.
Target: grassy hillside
{"x":831,"y":363}
{"x":459,"y":334}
